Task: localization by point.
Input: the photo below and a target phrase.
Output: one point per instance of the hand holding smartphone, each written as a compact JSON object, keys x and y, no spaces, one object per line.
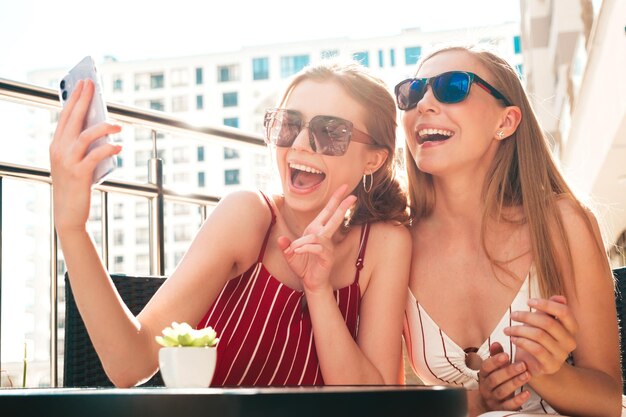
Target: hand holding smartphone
{"x":86,"y":69}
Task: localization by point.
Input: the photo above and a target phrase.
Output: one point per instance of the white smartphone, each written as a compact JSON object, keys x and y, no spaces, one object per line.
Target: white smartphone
{"x":97,"y":110}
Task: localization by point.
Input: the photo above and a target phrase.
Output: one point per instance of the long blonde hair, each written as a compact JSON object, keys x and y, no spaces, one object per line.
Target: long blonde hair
{"x":386,"y":199}
{"x":523,"y":173}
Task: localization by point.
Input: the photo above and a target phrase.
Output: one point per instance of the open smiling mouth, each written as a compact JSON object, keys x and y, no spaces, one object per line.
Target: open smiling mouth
{"x":433,"y":135}
{"x":304,"y":177}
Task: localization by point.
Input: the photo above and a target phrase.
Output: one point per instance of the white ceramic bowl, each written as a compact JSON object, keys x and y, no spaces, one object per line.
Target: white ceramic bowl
{"x":187,"y":367}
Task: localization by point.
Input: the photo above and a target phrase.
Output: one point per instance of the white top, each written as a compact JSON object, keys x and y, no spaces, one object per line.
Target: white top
{"x":438,"y":360}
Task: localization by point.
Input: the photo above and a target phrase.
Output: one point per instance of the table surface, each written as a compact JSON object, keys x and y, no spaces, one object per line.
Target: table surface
{"x":360,"y":401}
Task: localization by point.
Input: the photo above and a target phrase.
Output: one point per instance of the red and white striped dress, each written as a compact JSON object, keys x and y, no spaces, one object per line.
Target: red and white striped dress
{"x":266,"y":336}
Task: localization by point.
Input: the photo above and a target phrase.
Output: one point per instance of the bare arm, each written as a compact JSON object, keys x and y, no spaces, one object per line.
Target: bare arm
{"x":375,"y":356}
{"x":593,"y":385}
{"x":185,"y":296}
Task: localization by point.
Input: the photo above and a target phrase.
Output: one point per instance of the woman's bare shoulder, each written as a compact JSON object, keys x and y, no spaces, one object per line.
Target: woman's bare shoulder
{"x":390,"y":240}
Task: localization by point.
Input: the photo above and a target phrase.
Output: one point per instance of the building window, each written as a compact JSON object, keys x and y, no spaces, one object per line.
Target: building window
{"x":362,"y":58}
{"x":118,"y":84}
{"x":180,"y":209}
{"x":230,"y":153}
{"x":200,"y":153}
{"x":517,"y":44}
{"x":157,"y":105}
{"x":519,"y":68}
{"x":179,"y":77}
{"x":231,"y":121}
{"x":392,"y":57}
{"x":201,"y":179}
{"x":180,"y":178}
{"x":118,"y":211}
{"x":381,"y":60}
{"x":157,"y":80}
{"x":229,"y":99}
{"x":118,"y":237}
{"x":260,"y":68}
{"x":118,"y":261}
{"x":289,"y":65}
{"x":227,"y":73}
{"x":179,"y":155}
{"x":330,"y":53}
{"x":180,"y":104}
{"x":142,"y":81}
{"x":142,"y":263}
{"x":199,"y":102}
{"x":142,"y":209}
{"x":142,"y":236}
{"x":199,"y":76}
{"x":182,"y":233}
{"x":231,"y":177}
{"x":142,"y":157}
{"x":412,"y":55}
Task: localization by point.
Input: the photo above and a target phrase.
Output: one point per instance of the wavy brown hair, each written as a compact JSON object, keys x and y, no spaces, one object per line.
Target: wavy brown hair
{"x":386,"y":200}
{"x":523,"y":173}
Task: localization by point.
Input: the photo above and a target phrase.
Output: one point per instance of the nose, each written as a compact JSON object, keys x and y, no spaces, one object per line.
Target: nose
{"x":428,"y":103}
{"x":304,"y":141}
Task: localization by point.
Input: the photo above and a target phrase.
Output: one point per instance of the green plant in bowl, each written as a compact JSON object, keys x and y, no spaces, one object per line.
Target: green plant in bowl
{"x":183,"y":335}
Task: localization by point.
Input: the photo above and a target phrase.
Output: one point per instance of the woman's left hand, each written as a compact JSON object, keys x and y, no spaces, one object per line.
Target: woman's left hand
{"x":311,"y":256}
{"x":547,"y":335}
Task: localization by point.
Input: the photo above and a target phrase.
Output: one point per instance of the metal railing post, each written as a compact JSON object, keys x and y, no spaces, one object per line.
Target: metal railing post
{"x":157,"y":225}
{"x":104,"y":222}
{"x":0,"y":269}
{"x":54,"y":299}
{"x":204,"y":212}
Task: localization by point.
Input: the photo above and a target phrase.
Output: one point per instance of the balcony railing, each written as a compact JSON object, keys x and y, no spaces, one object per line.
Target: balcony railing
{"x":153,"y":190}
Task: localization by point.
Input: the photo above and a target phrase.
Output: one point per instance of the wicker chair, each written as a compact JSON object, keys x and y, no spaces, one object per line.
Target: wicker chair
{"x":620,"y":301}
{"x":82,"y":367}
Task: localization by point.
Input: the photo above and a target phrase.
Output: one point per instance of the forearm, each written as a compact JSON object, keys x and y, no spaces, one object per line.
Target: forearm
{"x":579,"y":391}
{"x":115,"y":333}
{"x":342,"y":361}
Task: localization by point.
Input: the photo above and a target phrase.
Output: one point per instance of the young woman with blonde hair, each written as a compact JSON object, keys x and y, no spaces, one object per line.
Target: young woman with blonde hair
{"x":511,"y":294}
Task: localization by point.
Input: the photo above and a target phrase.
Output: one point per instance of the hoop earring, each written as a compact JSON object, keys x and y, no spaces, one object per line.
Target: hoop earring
{"x":500,"y":134}
{"x":371,"y":181}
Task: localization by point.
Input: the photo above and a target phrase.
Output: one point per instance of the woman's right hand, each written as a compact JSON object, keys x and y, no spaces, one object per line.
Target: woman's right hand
{"x":71,"y":167}
{"x":311,"y":256}
{"x":499,"y":379}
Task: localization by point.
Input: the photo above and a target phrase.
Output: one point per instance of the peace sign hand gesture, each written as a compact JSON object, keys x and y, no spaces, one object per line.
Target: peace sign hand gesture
{"x":311,"y":256}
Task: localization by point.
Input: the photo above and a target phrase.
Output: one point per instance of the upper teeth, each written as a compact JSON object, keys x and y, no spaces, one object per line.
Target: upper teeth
{"x":426,"y":132}
{"x":304,"y":168}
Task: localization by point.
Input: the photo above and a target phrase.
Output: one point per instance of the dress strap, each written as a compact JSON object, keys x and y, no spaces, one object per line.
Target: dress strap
{"x":269,"y":229}
{"x":365,"y":232}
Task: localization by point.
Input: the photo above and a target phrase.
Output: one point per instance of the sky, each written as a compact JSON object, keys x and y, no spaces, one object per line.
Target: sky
{"x":43,"y":34}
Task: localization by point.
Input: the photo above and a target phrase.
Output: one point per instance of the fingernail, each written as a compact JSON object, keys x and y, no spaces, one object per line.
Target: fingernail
{"x":532,"y":302}
{"x":525,"y":376}
{"x":519,"y":367}
{"x":502,"y":358}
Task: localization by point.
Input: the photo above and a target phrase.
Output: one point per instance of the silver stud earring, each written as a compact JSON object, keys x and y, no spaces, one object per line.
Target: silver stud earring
{"x":500,"y":134}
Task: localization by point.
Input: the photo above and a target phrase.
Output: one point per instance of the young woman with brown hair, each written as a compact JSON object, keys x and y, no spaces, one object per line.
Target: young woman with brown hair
{"x":303,"y":288}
